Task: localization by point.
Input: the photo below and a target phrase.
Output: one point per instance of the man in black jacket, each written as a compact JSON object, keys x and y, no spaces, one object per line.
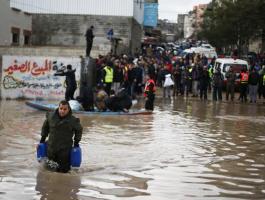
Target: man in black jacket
{"x":89,"y":40}
{"x":217,"y":85}
{"x":253,"y":81}
{"x":61,"y":126}
{"x":70,"y":82}
{"x":119,"y":102}
{"x":230,"y":84}
{"x":204,"y":80}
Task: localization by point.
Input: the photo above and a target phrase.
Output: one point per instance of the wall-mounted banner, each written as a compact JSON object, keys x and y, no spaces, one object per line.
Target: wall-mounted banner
{"x":33,"y":77}
{"x":150,"y":14}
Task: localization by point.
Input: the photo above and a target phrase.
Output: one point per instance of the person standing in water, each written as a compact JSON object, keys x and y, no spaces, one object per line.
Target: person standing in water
{"x":149,"y":93}
{"x":63,"y":131}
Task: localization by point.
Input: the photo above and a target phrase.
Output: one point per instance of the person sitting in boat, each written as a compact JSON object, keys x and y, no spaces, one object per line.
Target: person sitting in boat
{"x":119,"y":102}
{"x":101,"y":96}
{"x":112,"y":103}
{"x":125,"y":100}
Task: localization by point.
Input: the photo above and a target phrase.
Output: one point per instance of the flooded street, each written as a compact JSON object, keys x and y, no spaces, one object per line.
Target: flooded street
{"x":184,"y":150}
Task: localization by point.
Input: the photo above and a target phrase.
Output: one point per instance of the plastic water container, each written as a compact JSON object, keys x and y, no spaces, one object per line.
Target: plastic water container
{"x":41,"y":151}
{"x":76,"y":157}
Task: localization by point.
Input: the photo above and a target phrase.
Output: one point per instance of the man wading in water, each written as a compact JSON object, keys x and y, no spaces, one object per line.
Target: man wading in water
{"x":61,"y":126}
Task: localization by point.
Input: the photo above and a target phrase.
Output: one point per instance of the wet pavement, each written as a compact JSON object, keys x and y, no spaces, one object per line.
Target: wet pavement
{"x":187,"y":149}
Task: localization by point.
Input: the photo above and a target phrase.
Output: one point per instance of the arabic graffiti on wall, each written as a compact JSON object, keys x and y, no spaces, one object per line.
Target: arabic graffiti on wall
{"x":33,"y":77}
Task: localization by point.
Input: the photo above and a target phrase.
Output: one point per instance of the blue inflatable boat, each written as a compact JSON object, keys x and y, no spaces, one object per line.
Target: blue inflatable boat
{"x":40,"y":105}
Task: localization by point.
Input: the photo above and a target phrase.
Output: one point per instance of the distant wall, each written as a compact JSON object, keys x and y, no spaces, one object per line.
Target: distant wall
{"x":32,"y":77}
{"x":136,"y":37}
{"x":50,"y":51}
{"x":69,"y":30}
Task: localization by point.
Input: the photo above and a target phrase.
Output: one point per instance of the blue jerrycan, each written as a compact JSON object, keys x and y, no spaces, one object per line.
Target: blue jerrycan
{"x":41,"y":151}
{"x":76,"y":157}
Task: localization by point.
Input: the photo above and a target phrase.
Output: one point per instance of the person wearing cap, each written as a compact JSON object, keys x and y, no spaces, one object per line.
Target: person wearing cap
{"x":70,"y":82}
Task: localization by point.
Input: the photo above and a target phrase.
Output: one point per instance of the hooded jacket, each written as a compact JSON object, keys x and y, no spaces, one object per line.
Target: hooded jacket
{"x":61,"y":131}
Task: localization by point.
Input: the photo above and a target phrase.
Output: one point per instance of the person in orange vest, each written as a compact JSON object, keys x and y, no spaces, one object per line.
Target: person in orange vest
{"x":243,"y":76}
{"x":149,"y":92}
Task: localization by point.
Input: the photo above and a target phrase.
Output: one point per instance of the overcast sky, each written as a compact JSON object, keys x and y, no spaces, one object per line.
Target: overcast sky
{"x":169,"y":9}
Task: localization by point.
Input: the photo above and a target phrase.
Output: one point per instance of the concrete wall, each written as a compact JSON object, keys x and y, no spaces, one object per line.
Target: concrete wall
{"x":137,"y":33}
{"x":69,"y":30}
{"x":11,"y":18}
{"x":50,"y":51}
{"x":39,"y":52}
{"x":33,"y":77}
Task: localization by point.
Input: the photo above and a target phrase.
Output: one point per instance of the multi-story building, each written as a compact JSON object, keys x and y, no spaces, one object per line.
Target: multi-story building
{"x":188,"y":29}
{"x":181,"y":20}
{"x":169,"y":30}
{"x":198,"y":16}
{"x":193,"y":21}
{"x":15,"y":25}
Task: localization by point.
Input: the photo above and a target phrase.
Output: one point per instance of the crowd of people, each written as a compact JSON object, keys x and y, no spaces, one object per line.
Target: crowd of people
{"x":120,"y":79}
{"x":192,"y":76}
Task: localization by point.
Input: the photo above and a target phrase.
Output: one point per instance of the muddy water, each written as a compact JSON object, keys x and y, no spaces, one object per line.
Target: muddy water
{"x":185,"y":150}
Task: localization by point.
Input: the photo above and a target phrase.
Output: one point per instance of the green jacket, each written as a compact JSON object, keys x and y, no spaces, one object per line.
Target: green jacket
{"x":61,"y":131}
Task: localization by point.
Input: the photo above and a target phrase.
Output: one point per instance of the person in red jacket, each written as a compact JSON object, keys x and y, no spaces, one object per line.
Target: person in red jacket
{"x":149,"y":93}
{"x":243,"y":85}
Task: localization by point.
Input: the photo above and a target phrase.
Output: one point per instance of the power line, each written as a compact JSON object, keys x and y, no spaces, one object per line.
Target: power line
{"x":30,"y":6}
{"x":92,"y":7}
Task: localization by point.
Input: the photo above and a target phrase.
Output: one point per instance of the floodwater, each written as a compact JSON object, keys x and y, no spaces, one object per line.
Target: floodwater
{"x":184,"y":150}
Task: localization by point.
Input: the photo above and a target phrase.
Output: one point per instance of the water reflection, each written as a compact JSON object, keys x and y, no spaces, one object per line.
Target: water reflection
{"x":57,"y":186}
{"x":185,"y":150}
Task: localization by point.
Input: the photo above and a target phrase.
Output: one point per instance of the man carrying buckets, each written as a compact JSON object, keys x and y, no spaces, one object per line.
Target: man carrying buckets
{"x":61,"y":126}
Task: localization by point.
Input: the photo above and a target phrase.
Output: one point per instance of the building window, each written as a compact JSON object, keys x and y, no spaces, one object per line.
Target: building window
{"x":15,"y":35}
{"x":26,"y":40}
{"x":27,"y":37}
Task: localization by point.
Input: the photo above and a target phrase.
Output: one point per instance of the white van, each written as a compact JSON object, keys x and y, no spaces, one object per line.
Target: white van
{"x":225,"y":63}
{"x":208,"y":52}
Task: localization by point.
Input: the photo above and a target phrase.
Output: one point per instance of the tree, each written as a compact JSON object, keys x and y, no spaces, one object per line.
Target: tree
{"x":233,"y":23}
